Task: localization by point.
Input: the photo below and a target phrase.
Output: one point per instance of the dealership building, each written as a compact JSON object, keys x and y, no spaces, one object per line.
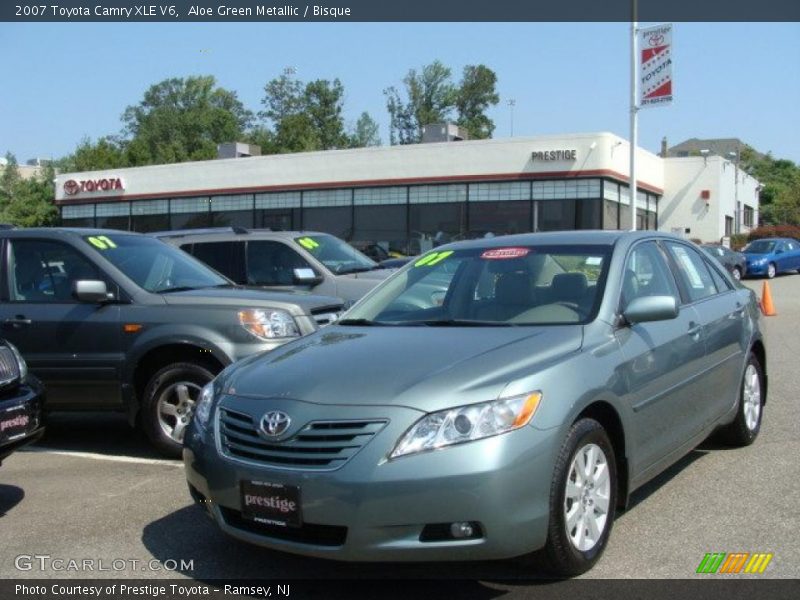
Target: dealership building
{"x":410,"y":198}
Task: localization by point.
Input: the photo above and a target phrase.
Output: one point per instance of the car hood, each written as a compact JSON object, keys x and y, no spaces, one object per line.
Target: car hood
{"x":376,"y":275}
{"x":751,"y":257}
{"x":426,"y":368}
{"x":253,"y":297}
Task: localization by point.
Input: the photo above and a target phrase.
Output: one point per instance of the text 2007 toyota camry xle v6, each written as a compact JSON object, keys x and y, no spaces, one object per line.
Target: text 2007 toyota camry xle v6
{"x":491,"y":399}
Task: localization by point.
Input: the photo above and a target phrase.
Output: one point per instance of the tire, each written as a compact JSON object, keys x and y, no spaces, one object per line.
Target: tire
{"x":737,"y":273}
{"x":744,"y":429}
{"x":168,"y":404}
{"x":569,"y":551}
{"x":771,"y":271}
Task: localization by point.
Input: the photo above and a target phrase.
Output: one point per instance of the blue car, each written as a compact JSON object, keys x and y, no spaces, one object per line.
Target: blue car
{"x":770,"y":256}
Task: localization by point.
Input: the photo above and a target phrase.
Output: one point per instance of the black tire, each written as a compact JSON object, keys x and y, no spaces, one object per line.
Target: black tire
{"x":737,"y":273}
{"x":560,"y":555}
{"x":772,"y":270}
{"x":161,"y":386}
{"x":739,"y":432}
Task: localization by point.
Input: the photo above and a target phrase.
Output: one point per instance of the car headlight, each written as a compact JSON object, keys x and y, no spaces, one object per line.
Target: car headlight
{"x":23,"y":366}
{"x":202,"y":408}
{"x":467,"y":423}
{"x":268,"y":324}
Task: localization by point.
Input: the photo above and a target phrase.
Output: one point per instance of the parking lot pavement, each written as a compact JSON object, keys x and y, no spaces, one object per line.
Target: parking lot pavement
{"x":93,"y":490}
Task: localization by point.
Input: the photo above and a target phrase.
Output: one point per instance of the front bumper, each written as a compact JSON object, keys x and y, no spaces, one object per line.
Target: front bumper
{"x":372,"y":509}
{"x":26,"y":400}
{"x":756,"y":268}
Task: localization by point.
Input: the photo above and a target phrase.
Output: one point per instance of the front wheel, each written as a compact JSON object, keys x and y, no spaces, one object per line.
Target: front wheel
{"x":771,"y":271}
{"x":583,"y":498}
{"x":168,"y":404}
{"x":737,"y":273}
{"x":745,"y":427}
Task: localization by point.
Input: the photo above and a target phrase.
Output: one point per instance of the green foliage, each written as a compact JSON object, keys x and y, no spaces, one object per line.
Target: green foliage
{"x":779,"y":199}
{"x":183,"y":119}
{"x":432,"y":97}
{"x":27,"y":202}
{"x":365,"y":132}
{"x":107,"y":153}
{"x":773,"y":231}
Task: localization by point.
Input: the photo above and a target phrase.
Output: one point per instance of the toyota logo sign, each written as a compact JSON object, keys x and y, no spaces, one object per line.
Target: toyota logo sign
{"x":274,"y":423}
{"x":71,"y":187}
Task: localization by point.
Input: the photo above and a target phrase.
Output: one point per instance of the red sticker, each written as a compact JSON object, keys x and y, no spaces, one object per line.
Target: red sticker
{"x":504,"y":253}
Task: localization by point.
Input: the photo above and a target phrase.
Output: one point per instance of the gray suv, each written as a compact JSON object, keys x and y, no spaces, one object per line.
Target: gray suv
{"x":121,"y":321}
{"x":303,"y":260}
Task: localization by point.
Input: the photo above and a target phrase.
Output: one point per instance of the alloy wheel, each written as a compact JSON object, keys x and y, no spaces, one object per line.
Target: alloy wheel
{"x":175,"y":408}
{"x":751,"y":397}
{"x":587,"y":497}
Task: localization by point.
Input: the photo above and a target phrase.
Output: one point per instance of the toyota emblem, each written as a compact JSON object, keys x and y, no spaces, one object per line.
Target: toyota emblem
{"x":71,"y":187}
{"x":274,"y":423}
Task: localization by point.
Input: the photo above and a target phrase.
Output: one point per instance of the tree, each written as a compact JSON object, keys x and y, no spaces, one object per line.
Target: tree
{"x":475,"y":95}
{"x":365,"y":132}
{"x":431,"y":97}
{"x":107,"y":153}
{"x":8,"y":180}
{"x":779,"y":198}
{"x":322,"y":102}
{"x":30,"y":202}
{"x":283,"y":96}
{"x":183,"y":119}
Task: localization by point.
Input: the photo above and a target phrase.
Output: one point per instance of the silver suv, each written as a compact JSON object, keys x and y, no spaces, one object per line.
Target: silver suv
{"x":303,"y":260}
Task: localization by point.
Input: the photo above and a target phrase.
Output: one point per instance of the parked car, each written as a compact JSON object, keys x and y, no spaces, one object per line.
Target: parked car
{"x":301,"y":260}
{"x":558,"y":373}
{"x":734,"y":262}
{"x":21,"y":400}
{"x":771,"y":256}
{"x":129,"y":323}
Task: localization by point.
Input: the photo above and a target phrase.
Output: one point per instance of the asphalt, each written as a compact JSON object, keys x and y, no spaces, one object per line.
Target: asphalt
{"x":94,"y":490}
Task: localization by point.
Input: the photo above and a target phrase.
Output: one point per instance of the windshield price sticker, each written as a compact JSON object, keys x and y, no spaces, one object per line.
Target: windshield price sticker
{"x":308,"y":243}
{"x":505,"y":253}
{"x":433,"y":258}
{"x":101,"y":242}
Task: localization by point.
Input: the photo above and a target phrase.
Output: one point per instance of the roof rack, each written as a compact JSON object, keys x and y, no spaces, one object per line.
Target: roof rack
{"x":182,"y":232}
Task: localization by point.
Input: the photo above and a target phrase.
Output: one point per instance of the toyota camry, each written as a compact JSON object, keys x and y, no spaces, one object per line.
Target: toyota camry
{"x":492,"y":399}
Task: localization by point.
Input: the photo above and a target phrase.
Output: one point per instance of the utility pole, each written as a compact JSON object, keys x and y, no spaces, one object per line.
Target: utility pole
{"x":737,"y":211}
{"x":511,"y":104}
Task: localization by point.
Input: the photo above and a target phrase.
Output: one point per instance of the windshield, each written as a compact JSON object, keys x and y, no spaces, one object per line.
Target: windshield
{"x":759,"y":247}
{"x":339,"y":256}
{"x":520,"y":285}
{"x":153,"y":265}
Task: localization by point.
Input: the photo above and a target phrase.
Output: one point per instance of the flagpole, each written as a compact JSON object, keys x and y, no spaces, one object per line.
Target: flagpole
{"x":634,"y":116}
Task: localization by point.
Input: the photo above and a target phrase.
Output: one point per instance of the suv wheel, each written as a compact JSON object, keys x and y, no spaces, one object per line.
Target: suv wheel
{"x":168,"y":404}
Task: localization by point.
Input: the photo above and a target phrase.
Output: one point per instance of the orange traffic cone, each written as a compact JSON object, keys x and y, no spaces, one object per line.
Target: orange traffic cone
{"x":766,"y":302}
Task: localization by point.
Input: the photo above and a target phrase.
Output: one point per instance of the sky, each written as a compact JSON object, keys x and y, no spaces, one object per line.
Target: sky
{"x":67,"y":81}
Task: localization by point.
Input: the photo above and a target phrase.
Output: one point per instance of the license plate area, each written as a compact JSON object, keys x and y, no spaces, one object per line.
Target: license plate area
{"x":270,"y":503}
{"x":15,"y":422}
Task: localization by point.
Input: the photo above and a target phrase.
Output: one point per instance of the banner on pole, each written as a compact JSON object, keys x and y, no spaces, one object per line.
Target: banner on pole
{"x":655,"y":65}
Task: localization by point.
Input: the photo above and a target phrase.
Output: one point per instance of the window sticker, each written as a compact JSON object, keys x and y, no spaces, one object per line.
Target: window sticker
{"x":504,"y":253}
{"x":433,"y":258}
{"x":689,"y":268}
{"x":594,"y":261}
{"x":308,"y":243}
{"x":101,"y":242}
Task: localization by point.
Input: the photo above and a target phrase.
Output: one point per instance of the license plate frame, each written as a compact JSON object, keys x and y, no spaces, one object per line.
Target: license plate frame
{"x":270,"y":503}
{"x":12,"y":432}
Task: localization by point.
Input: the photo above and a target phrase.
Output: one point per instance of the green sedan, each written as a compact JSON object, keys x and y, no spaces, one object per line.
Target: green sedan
{"x":494,"y":398}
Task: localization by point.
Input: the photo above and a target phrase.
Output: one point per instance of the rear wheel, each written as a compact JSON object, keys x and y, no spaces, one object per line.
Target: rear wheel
{"x":737,"y":273}
{"x":583,"y":498}
{"x":745,"y":427}
{"x":168,"y":404}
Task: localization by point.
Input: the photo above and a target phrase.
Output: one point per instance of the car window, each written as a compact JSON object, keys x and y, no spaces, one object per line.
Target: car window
{"x":760,"y":247}
{"x":693,"y":272}
{"x":225,"y":257}
{"x":791,"y":246}
{"x":272,"y":263}
{"x":646,"y":274}
{"x":338,"y":256}
{"x":720,"y":282}
{"x":44,"y":271}
{"x":521,"y":285}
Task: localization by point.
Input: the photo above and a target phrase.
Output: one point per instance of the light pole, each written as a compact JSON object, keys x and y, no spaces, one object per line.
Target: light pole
{"x":511,"y":104}
{"x":737,"y":211}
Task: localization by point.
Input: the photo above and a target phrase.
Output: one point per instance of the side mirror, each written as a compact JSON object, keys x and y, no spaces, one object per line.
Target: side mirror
{"x":306,"y":276}
{"x":651,"y":308}
{"x":90,"y":291}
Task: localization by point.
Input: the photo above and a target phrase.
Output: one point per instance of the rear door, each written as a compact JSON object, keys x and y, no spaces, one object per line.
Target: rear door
{"x":722,"y":316}
{"x":73,"y":347}
{"x":661,"y":361}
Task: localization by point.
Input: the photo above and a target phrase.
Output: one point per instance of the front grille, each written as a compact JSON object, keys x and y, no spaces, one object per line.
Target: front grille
{"x":9,"y":368}
{"x":307,"y":533}
{"x":326,"y":315}
{"x":319,"y":445}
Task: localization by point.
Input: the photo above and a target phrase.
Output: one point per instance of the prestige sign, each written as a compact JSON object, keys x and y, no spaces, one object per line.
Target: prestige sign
{"x":655,"y":66}
{"x":554,"y":155}
{"x":105,"y":184}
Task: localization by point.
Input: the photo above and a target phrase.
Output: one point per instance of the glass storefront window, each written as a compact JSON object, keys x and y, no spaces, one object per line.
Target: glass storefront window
{"x":610,"y":214}
{"x":556,"y":215}
{"x":286,"y":219}
{"x":500,"y":219}
{"x":431,"y":225}
{"x":335,"y":220}
{"x":384,"y":225}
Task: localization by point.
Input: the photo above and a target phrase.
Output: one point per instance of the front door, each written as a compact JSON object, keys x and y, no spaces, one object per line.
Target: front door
{"x":73,"y":347}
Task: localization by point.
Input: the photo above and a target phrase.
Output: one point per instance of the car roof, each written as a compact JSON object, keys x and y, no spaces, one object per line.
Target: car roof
{"x":63,"y":232}
{"x":589,"y":237}
{"x":227,"y":233}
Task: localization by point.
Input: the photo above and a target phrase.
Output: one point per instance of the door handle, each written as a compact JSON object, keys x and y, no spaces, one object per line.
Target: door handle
{"x":695,"y":330}
{"x":18,"y":321}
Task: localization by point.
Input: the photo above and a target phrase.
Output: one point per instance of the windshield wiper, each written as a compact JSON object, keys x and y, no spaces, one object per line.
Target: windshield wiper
{"x":458,"y":323}
{"x":361,"y":322}
{"x":180,"y":288}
